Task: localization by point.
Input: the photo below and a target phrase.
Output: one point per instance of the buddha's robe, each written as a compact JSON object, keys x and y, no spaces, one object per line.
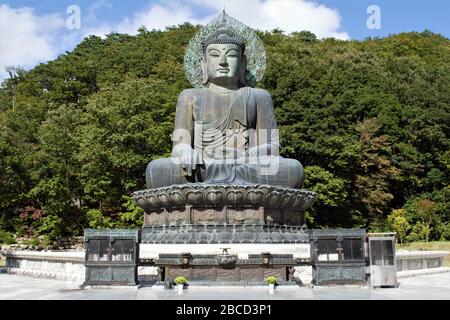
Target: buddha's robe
{"x":236,"y":136}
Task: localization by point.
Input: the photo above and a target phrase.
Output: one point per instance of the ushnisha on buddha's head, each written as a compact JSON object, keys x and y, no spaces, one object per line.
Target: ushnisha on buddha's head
{"x":224,"y":62}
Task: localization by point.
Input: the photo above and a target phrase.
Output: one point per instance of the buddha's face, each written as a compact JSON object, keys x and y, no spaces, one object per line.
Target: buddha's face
{"x":223,"y":63}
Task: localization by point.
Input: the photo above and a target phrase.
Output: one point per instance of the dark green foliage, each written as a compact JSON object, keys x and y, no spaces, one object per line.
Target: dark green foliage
{"x":6,"y":237}
{"x":368,"y":119}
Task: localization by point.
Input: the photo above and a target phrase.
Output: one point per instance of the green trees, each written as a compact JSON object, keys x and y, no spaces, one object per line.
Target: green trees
{"x":368,"y":119}
{"x":398,"y":223}
{"x":375,"y":171}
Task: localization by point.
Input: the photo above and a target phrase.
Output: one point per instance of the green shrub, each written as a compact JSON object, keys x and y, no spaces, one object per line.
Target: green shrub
{"x":51,"y":226}
{"x":6,"y":237}
{"x":96,"y":219}
{"x":419,"y":232}
{"x":34,"y":242}
{"x":133,"y":217}
{"x":180,"y":280}
{"x":271,"y":280}
{"x":397,"y":222}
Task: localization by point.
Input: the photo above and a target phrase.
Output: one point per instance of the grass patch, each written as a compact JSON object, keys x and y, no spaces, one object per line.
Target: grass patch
{"x":2,"y":262}
{"x":428,"y":246}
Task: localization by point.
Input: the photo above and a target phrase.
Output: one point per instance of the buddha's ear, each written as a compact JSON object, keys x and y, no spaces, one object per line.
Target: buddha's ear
{"x":204,"y":71}
{"x":243,"y":71}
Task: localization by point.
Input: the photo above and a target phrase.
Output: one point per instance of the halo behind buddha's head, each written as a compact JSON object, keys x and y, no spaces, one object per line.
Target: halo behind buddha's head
{"x":225,"y":29}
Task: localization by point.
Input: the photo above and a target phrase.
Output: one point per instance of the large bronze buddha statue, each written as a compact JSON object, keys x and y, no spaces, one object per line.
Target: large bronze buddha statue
{"x":225,"y":182}
{"x":225,"y":166}
{"x":225,"y":130}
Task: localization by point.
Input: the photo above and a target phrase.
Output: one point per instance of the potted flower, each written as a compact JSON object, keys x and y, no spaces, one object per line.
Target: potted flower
{"x":180,"y":281}
{"x":271,"y":280}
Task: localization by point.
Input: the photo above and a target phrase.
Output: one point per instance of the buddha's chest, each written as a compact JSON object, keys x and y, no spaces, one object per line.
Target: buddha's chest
{"x":214,"y":110}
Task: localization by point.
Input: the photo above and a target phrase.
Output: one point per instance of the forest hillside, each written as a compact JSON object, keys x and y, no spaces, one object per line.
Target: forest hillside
{"x":369,"y":120}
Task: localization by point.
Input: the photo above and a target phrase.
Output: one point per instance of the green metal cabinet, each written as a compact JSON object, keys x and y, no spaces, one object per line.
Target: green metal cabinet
{"x":111,"y":256}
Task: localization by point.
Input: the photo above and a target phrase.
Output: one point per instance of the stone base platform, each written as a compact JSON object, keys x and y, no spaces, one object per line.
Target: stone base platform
{"x":200,"y":204}
{"x":223,"y":234}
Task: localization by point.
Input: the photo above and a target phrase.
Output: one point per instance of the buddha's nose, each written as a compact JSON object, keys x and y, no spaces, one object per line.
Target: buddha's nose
{"x":223,"y":61}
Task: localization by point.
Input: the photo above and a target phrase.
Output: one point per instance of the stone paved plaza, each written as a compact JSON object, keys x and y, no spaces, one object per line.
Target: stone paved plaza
{"x":424,"y":287}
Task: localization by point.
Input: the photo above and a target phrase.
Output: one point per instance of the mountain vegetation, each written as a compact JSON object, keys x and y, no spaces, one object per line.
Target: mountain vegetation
{"x":369,"y":120}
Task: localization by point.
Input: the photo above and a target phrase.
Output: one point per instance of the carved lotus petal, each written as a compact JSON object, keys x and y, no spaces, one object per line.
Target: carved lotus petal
{"x":177,"y":197}
{"x":255,"y":197}
{"x":143,"y":203}
{"x":215,"y":197}
{"x":219,"y":195}
{"x":164,"y":197}
{"x":286,"y":199}
{"x":310,"y":201}
{"x":154,"y":201}
{"x":195,"y":196}
{"x":274,"y":198}
{"x":265,"y":189}
{"x":184,"y":188}
{"x":302,"y":202}
{"x":297,"y":201}
{"x":235,"y":196}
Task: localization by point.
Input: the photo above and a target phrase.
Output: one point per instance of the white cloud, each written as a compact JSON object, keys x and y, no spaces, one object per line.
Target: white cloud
{"x":26,"y":38}
{"x":288,"y":15}
{"x":160,"y":16}
{"x":156,"y":16}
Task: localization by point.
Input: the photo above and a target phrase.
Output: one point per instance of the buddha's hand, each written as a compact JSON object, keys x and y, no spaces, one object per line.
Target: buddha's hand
{"x":225,"y":153}
{"x":233,"y":153}
{"x":187,"y":157}
{"x":263,"y":150}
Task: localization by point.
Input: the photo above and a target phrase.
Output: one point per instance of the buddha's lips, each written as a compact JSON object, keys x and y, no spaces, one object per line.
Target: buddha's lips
{"x":223,"y":70}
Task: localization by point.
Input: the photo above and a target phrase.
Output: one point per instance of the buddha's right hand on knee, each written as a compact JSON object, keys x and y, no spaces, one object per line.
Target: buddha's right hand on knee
{"x":188,"y":158}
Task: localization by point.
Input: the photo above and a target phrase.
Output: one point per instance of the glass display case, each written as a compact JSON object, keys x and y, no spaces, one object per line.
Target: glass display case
{"x":111,"y":256}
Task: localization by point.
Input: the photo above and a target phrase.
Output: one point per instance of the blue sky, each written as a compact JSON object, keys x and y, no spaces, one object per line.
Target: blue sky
{"x":396,"y":16}
{"x":33,"y":31}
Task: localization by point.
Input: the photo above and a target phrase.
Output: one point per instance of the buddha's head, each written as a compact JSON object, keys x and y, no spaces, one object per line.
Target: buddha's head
{"x":224,"y":62}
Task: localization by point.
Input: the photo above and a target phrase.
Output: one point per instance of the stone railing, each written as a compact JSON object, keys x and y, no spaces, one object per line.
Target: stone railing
{"x":415,"y":260}
{"x":68,"y":265}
